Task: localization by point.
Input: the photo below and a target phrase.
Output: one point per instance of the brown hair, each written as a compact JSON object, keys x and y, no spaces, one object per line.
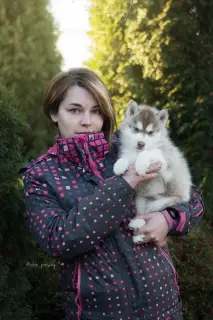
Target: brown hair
{"x":89,"y":80}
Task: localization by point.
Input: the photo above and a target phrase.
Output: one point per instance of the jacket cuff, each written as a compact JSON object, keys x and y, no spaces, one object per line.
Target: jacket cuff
{"x":172,"y":222}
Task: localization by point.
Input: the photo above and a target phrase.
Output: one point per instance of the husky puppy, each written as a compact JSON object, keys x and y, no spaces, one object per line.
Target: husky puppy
{"x":145,"y":141}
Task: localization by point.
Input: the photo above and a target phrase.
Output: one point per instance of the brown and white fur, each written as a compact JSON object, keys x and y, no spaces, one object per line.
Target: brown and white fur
{"x":145,"y":141}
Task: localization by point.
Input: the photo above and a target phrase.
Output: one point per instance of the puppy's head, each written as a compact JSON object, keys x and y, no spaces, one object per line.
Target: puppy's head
{"x":144,"y":126}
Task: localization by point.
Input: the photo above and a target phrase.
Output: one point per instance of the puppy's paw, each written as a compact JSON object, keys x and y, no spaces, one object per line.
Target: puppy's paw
{"x":136,"y":224}
{"x":141,"y":170}
{"x":142,"y":165}
{"x":139,"y":239}
{"x":120,"y":166}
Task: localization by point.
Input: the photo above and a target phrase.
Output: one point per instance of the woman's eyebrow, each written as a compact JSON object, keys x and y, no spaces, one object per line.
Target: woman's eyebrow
{"x":80,"y":106}
{"x":75,"y":104}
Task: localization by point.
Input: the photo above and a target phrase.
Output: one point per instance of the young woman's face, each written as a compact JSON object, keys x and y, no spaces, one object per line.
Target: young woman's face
{"x":78,"y":113}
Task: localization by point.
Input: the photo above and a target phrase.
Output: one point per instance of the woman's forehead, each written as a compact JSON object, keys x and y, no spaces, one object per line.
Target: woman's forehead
{"x":79,"y":95}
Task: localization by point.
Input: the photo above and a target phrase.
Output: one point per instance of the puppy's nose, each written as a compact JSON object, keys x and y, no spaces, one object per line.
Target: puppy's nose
{"x":141,"y":145}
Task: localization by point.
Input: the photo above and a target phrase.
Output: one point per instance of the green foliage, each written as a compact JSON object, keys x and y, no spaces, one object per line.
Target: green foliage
{"x":28,"y":60}
{"x":13,"y":282}
{"x":193,"y":258}
{"x":110,"y":52}
{"x":26,"y":292}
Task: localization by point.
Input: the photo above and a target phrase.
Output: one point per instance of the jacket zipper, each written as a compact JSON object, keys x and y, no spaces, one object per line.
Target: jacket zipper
{"x":173,"y":268}
{"x":94,"y":169}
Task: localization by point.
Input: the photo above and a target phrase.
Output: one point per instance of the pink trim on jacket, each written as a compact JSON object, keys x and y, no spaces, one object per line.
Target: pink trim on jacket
{"x":199,"y":213}
{"x":92,"y":164}
{"x":173,"y":268}
{"x":78,"y":300}
{"x":182,"y":221}
{"x":172,"y":223}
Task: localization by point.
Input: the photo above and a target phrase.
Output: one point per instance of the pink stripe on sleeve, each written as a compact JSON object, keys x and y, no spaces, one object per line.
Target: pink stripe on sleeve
{"x":182,"y":221}
{"x":172,"y":223}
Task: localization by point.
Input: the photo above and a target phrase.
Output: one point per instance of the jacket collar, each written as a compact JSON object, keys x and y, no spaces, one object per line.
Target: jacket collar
{"x":78,"y":148}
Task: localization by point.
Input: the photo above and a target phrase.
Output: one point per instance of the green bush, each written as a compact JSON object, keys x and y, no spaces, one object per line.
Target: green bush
{"x":193,"y":258}
{"x":26,"y":292}
{"x":14,"y":284}
{"x":29,"y":59}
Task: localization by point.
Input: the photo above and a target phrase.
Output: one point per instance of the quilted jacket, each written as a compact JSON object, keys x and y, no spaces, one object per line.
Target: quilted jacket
{"x":78,"y":212}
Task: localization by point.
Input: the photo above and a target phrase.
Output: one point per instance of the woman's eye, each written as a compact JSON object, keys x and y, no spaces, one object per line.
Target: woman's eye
{"x":75,"y":111}
{"x":97,"y":111}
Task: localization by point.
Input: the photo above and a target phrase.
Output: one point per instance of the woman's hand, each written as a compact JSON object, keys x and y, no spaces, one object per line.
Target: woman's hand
{"x":132,"y":177}
{"x":155,"y":229}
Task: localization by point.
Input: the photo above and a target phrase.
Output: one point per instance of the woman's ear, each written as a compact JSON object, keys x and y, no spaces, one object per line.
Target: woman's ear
{"x":132,"y":108}
{"x":54,"y":117}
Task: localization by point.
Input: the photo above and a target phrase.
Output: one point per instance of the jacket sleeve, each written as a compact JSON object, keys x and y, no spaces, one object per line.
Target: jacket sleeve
{"x":67,"y":234}
{"x":182,"y":218}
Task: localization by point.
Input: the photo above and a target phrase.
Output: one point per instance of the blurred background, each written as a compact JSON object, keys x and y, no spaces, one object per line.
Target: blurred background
{"x":156,"y":52}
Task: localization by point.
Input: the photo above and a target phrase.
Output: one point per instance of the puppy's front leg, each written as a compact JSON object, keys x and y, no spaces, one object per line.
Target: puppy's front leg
{"x":157,"y":156}
{"x":138,"y":222}
{"x":143,"y":162}
{"x":120,"y":166}
{"x":162,"y":203}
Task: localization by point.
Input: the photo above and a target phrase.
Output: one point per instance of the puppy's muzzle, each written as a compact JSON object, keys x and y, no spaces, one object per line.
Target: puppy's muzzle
{"x":140,"y":145}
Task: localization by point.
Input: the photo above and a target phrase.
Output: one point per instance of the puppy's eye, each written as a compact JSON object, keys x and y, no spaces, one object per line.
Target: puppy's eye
{"x":150,"y":133}
{"x":136,"y":130}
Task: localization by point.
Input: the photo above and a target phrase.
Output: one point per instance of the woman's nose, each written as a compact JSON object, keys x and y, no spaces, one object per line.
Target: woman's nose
{"x":86,"y":119}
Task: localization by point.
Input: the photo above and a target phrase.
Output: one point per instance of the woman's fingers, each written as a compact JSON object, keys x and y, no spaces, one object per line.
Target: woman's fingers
{"x":133,"y":178}
{"x":148,"y":176}
{"x":154,"y":167}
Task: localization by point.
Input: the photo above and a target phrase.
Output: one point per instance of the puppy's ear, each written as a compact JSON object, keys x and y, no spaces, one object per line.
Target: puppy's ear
{"x":163,"y":116}
{"x":132,"y":108}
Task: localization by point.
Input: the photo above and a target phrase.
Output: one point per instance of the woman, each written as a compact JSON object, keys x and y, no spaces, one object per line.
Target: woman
{"x":79,"y":212}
